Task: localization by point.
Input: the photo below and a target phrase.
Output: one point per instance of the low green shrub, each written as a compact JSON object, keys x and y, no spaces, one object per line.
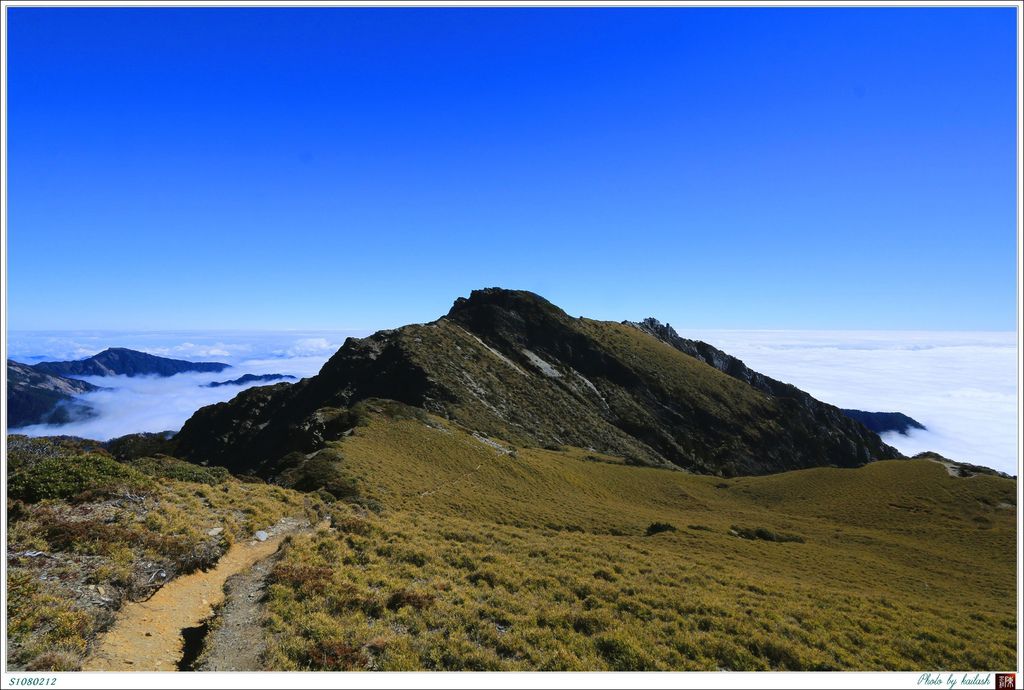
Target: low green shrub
{"x":74,"y":476}
{"x":322,"y":472}
{"x":168,"y":467}
{"x":659,"y":527}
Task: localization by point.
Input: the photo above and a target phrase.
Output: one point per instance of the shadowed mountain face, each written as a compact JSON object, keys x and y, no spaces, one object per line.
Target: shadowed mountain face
{"x":511,"y":365}
{"x":34,"y":397}
{"x":880,"y":422}
{"x":122,"y":361}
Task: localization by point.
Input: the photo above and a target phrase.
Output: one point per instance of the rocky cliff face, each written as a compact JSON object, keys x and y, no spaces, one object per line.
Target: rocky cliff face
{"x":512,"y":365}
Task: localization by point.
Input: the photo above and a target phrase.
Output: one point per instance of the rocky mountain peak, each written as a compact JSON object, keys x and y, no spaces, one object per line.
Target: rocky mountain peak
{"x":512,"y":365}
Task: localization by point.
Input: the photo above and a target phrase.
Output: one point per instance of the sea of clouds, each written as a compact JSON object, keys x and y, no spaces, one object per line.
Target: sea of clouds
{"x":151,"y":403}
{"x":962,"y":386}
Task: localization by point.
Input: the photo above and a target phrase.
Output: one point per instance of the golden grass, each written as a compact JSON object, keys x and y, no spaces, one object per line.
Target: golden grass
{"x":539,"y":559}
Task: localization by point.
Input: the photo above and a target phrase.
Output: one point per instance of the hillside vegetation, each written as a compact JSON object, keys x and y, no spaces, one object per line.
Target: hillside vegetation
{"x":87,"y":533}
{"x":465,"y":553}
{"x":449,"y":549}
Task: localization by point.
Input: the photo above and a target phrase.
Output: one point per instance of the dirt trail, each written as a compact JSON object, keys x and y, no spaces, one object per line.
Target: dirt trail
{"x":147,"y":635}
{"x":236,"y":641}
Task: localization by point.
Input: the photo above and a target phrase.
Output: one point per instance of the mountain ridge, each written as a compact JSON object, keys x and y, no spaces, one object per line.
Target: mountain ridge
{"x":249,"y":378}
{"x":35,"y":397}
{"x":116,"y":361}
{"x":878,"y":422}
{"x":511,"y":365}
{"x":45,"y":392}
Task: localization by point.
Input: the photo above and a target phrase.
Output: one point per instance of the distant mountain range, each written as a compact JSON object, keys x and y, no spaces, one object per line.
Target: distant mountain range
{"x":35,"y":397}
{"x":250,"y":378}
{"x":511,"y":365}
{"x":44,"y":394}
{"x":121,"y":361}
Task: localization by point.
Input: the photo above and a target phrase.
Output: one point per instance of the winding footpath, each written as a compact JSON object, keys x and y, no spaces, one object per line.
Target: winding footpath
{"x":147,"y":635}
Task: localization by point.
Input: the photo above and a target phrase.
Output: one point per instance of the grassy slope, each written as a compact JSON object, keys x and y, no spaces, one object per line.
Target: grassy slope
{"x":539,"y":560}
{"x":87,"y":533}
{"x":504,"y":397}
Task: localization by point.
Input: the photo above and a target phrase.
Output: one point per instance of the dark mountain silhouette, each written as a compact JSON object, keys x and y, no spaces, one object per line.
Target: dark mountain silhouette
{"x":249,"y":378}
{"x":122,"y":361}
{"x":881,"y":422}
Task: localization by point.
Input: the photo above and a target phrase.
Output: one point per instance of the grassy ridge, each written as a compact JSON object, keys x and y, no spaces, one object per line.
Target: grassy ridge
{"x":481,"y":556}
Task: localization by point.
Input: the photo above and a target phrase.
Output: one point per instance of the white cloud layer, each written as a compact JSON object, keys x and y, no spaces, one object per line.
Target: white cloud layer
{"x":962,"y":386}
{"x":309,"y":346}
{"x":148,"y":403}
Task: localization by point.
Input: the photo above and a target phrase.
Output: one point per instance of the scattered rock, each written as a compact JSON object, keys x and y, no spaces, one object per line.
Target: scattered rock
{"x":262,"y":536}
{"x":214,"y":531}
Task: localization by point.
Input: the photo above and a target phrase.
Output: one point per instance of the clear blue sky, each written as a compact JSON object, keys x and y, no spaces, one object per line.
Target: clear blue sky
{"x":355,"y":168}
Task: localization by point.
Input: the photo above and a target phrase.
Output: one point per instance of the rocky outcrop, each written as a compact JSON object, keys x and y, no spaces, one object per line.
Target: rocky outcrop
{"x":724,"y":362}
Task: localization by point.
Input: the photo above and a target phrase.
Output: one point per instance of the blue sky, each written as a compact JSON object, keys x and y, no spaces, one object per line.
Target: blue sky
{"x":355,"y":168}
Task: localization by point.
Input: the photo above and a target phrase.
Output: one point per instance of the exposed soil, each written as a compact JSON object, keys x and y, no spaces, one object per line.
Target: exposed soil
{"x":150,"y":635}
{"x":234,"y":642}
